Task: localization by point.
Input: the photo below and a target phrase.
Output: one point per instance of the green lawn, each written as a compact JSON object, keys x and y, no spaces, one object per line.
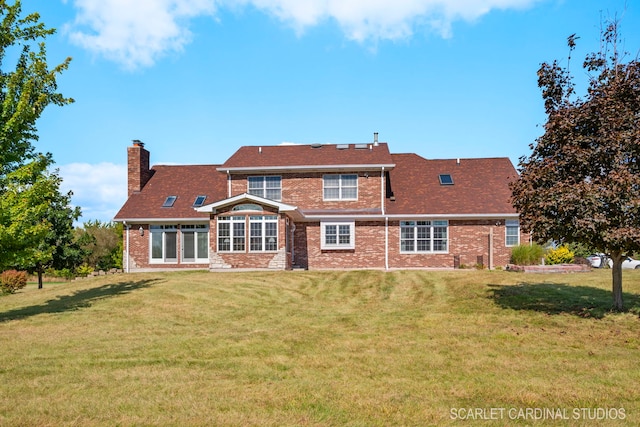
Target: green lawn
{"x":358,"y":348}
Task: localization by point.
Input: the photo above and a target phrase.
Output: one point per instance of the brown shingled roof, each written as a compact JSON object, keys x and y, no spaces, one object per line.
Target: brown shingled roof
{"x":186,"y":182}
{"x":315,"y":155}
{"x":480,"y":186}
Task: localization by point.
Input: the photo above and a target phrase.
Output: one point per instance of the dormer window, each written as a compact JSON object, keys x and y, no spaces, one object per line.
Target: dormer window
{"x":199,"y":201}
{"x":446,"y":179}
{"x":169,"y":201}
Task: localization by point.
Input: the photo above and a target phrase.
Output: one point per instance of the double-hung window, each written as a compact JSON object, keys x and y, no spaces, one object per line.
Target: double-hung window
{"x":231,"y":233}
{"x":269,"y":187}
{"x":337,"y":235}
{"x":340,"y":187}
{"x":164,"y":243}
{"x":512,"y":237}
{"x":263,"y":230}
{"x":195,"y":243}
{"x":262,"y":233}
{"x":423,"y":236}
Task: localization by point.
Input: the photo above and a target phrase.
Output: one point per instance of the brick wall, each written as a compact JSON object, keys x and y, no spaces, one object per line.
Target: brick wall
{"x":304,"y":190}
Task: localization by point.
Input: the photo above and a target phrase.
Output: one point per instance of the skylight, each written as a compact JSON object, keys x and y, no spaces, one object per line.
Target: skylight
{"x":199,"y":201}
{"x":169,"y":201}
{"x":446,"y":179}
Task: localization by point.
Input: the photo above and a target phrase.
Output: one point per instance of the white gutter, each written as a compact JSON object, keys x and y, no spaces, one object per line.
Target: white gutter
{"x":407,"y":217}
{"x":228,"y":183}
{"x":356,"y":167}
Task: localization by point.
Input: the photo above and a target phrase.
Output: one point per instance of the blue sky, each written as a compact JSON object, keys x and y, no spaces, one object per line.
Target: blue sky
{"x":197,"y":79}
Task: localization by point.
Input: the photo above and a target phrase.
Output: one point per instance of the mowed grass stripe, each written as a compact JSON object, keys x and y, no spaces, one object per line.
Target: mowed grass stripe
{"x":315,"y":348}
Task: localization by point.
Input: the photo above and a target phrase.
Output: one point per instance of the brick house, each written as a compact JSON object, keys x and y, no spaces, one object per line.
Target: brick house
{"x":318,"y":206}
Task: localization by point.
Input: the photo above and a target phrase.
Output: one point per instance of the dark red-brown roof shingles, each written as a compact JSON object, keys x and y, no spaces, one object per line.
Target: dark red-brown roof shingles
{"x":297,"y":156}
{"x":186,"y":182}
{"x":480,"y":186}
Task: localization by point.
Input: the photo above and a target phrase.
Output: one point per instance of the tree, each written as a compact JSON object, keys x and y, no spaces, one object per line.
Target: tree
{"x":29,"y":192}
{"x":102,"y":244}
{"x":581,"y":183}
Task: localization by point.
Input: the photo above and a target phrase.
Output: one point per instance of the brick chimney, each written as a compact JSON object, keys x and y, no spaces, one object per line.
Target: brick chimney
{"x":138,"y":172}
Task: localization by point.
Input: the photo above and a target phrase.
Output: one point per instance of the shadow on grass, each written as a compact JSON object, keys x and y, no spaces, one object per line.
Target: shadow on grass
{"x":80,"y":299}
{"x":558,"y":298}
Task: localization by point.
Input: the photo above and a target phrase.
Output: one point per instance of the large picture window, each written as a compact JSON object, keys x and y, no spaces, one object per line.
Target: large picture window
{"x":337,"y":235}
{"x":340,"y":187}
{"x":512,"y":237}
{"x":423,"y":236}
{"x":269,"y":187}
{"x":262,"y":229}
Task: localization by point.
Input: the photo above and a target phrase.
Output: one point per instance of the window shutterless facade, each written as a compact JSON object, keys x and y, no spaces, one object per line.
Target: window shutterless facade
{"x":512,"y":232}
{"x":340,"y":187}
{"x":337,"y":235}
{"x":269,"y":187}
{"x":262,"y":233}
{"x":424,"y":236}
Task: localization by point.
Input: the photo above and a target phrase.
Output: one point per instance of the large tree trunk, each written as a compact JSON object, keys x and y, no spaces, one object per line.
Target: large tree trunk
{"x":616,"y":273}
{"x":39,"y":278}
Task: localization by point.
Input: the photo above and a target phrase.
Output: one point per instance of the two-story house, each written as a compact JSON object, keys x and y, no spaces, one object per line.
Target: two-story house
{"x":318,"y":206}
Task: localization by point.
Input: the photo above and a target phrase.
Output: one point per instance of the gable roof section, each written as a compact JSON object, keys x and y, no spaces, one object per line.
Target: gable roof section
{"x":480,"y":186}
{"x":186,"y":182}
{"x":212,"y":207}
{"x":309,"y":157}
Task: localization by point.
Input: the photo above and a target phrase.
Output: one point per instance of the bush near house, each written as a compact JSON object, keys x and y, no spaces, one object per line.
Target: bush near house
{"x":12,"y":280}
{"x":527,"y":254}
{"x":560,"y":255}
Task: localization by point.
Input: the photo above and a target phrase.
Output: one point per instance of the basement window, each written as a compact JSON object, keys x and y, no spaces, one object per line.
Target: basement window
{"x":446,"y":179}
{"x":169,"y":201}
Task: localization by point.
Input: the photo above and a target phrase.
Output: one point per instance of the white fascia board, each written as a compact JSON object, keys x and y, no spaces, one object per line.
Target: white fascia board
{"x":306,"y":168}
{"x":380,"y":217}
{"x":161,"y":220}
{"x":282,"y":207}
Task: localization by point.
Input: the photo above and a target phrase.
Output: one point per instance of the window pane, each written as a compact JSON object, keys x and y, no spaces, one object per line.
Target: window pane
{"x":272,"y":182}
{"x":156,"y":245}
{"x":255,"y":230}
{"x":331,"y":193}
{"x":255,"y":182}
{"x":349,"y":193}
{"x":171,"y":245}
{"x":349,"y":180}
{"x":406,"y":245}
{"x":273,"y":194}
{"x":203,"y":245}
{"x":224,"y":237}
{"x":188,"y":242}
{"x":238,"y":236}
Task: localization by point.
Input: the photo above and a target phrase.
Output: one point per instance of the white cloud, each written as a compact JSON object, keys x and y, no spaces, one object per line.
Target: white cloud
{"x":99,"y":189}
{"x":136,"y":33}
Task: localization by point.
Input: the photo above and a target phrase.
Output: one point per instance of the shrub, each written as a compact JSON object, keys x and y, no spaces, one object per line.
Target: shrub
{"x":12,"y":280}
{"x":84,"y":270}
{"x":527,"y":254}
{"x":560,"y":255}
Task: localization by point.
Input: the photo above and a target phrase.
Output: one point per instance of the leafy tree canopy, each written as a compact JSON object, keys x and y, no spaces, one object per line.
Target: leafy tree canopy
{"x":581,"y":183}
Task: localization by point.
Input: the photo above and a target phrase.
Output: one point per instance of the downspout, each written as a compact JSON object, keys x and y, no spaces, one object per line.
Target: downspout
{"x":382,"y":189}
{"x":386,"y":243}
{"x":228,"y":183}
{"x":293,"y":245}
{"x":126,"y":251}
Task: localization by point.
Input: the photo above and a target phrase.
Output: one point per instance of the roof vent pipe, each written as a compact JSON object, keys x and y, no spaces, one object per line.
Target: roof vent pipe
{"x":375,"y":139}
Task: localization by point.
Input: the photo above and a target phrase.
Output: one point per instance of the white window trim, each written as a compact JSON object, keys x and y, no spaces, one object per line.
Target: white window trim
{"x":163,"y":229}
{"x":265,"y":219}
{"x":431,"y":239}
{"x":511,"y":223}
{"x":231,"y":220}
{"x":264,"y":186}
{"x":338,"y":246}
{"x":339,"y":198}
{"x":196,"y":229}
